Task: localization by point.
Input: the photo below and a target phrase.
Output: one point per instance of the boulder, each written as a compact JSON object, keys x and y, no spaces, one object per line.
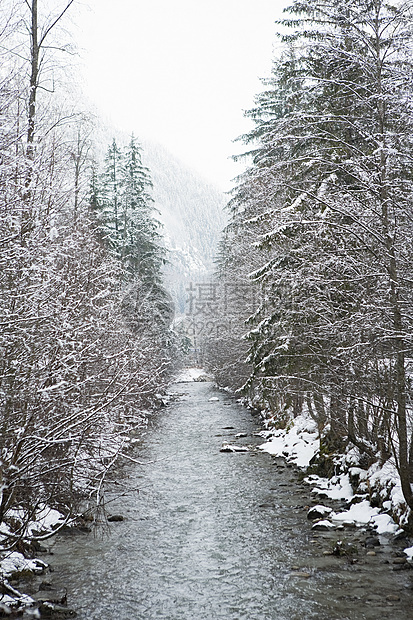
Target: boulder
{"x":59,"y":597}
{"x":372,"y":541}
{"x":226,"y":447}
{"x":318,"y":512}
{"x":323,"y":526}
{"x":301,"y":575}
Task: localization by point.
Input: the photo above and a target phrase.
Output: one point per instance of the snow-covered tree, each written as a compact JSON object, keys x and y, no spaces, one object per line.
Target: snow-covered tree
{"x":332,"y":187}
{"x":128,"y":226}
{"x":75,"y":374}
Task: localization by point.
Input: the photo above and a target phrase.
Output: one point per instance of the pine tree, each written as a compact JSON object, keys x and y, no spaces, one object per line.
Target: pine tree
{"x":141,"y":252}
{"x":141,"y":241}
{"x":109,"y":202}
{"x":331,"y":185}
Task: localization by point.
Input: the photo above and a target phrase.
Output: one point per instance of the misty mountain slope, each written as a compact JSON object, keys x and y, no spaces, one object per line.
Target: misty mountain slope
{"x":192,"y":213}
{"x":191,"y":209}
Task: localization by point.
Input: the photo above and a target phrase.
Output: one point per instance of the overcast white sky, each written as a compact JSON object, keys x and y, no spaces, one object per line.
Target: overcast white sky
{"x":179,"y":72}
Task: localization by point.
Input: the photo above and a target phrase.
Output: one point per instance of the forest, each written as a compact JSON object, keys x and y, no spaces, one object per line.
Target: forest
{"x":321,"y":233}
{"x":313,"y":305}
{"x":85,"y":338}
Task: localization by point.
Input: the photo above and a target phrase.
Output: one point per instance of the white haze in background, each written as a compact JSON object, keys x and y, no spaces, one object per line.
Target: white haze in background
{"x":180,"y":72}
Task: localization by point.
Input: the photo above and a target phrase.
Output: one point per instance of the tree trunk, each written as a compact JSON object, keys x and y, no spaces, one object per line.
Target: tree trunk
{"x":27,"y":216}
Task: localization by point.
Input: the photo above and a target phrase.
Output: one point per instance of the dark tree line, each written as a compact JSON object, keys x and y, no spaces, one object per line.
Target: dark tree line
{"x":322,"y":223}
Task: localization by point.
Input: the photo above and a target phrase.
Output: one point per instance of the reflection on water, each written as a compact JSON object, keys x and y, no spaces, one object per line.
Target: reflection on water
{"x":214,"y":536}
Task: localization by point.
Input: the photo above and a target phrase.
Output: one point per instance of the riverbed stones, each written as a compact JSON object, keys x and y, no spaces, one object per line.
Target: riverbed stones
{"x":58,"y":597}
{"x":115,"y":518}
{"x":301,"y":574}
{"x":349,"y":525}
{"x":226,"y":447}
{"x":323,"y":526}
{"x":53,"y":610}
{"x":318,"y":512}
{"x":372,"y":541}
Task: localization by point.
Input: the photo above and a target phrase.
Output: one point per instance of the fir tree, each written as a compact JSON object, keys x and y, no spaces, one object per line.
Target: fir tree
{"x":329,"y":193}
{"x":141,"y":241}
{"x":110,"y":202}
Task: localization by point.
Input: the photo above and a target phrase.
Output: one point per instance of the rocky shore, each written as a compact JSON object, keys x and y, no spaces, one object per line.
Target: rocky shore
{"x":345,"y":528}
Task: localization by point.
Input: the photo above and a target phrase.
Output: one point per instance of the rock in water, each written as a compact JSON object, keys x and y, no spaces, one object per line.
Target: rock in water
{"x":323,"y":526}
{"x":59,"y":597}
{"x":203,"y":379}
{"x":318,"y":512}
{"x":226,"y":447}
{"x":301,"y":575}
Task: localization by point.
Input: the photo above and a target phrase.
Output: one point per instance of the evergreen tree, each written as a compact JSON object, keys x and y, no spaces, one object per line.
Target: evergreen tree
{"x":124,"y":212}
{"x":141,"y":241}
{"x":331,"y":188}
{"x":110,"y":201}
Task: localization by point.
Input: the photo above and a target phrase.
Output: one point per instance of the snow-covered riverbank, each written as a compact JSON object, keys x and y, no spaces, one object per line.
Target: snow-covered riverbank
{"x":14,"y":565}
{"x":351,"y":486}
{"x":299,"y":444}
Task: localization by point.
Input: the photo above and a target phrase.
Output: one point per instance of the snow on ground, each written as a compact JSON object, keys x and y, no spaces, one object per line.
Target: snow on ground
{"x":12,"y":562}
{"x":384,"y":524}
{"x":338,"y":487}
{"x":360,"y":514}
{"x":15,"y":562}
{"x":48,"y":518}
{"x":387,"y":479}
{"x":45,"y":521}
{"x":363,"y":514}
{"x":9,"y":603}
{"x":297,"y":445}
{"x":189,"y":374}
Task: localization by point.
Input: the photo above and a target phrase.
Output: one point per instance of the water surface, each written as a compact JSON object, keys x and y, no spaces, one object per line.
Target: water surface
{"x":209,"y":535}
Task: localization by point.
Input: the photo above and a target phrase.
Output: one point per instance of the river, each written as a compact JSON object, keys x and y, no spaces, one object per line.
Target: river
{"x":210,"y":535}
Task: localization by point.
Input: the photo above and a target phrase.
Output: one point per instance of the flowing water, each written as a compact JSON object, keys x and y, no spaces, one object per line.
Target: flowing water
{"x":209,"y":535}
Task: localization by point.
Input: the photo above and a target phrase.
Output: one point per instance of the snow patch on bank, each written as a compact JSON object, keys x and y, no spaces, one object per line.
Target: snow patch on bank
{"x":336,"y":488}
{"x":45,"y":521}
{"x":189,"y":374}
{"x":15,"y":562}
{"x":12,"y":563}
{"x":299,"y":443}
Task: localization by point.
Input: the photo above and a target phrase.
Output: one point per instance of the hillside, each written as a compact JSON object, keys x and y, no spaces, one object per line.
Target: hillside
{"x":192,"y":213}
